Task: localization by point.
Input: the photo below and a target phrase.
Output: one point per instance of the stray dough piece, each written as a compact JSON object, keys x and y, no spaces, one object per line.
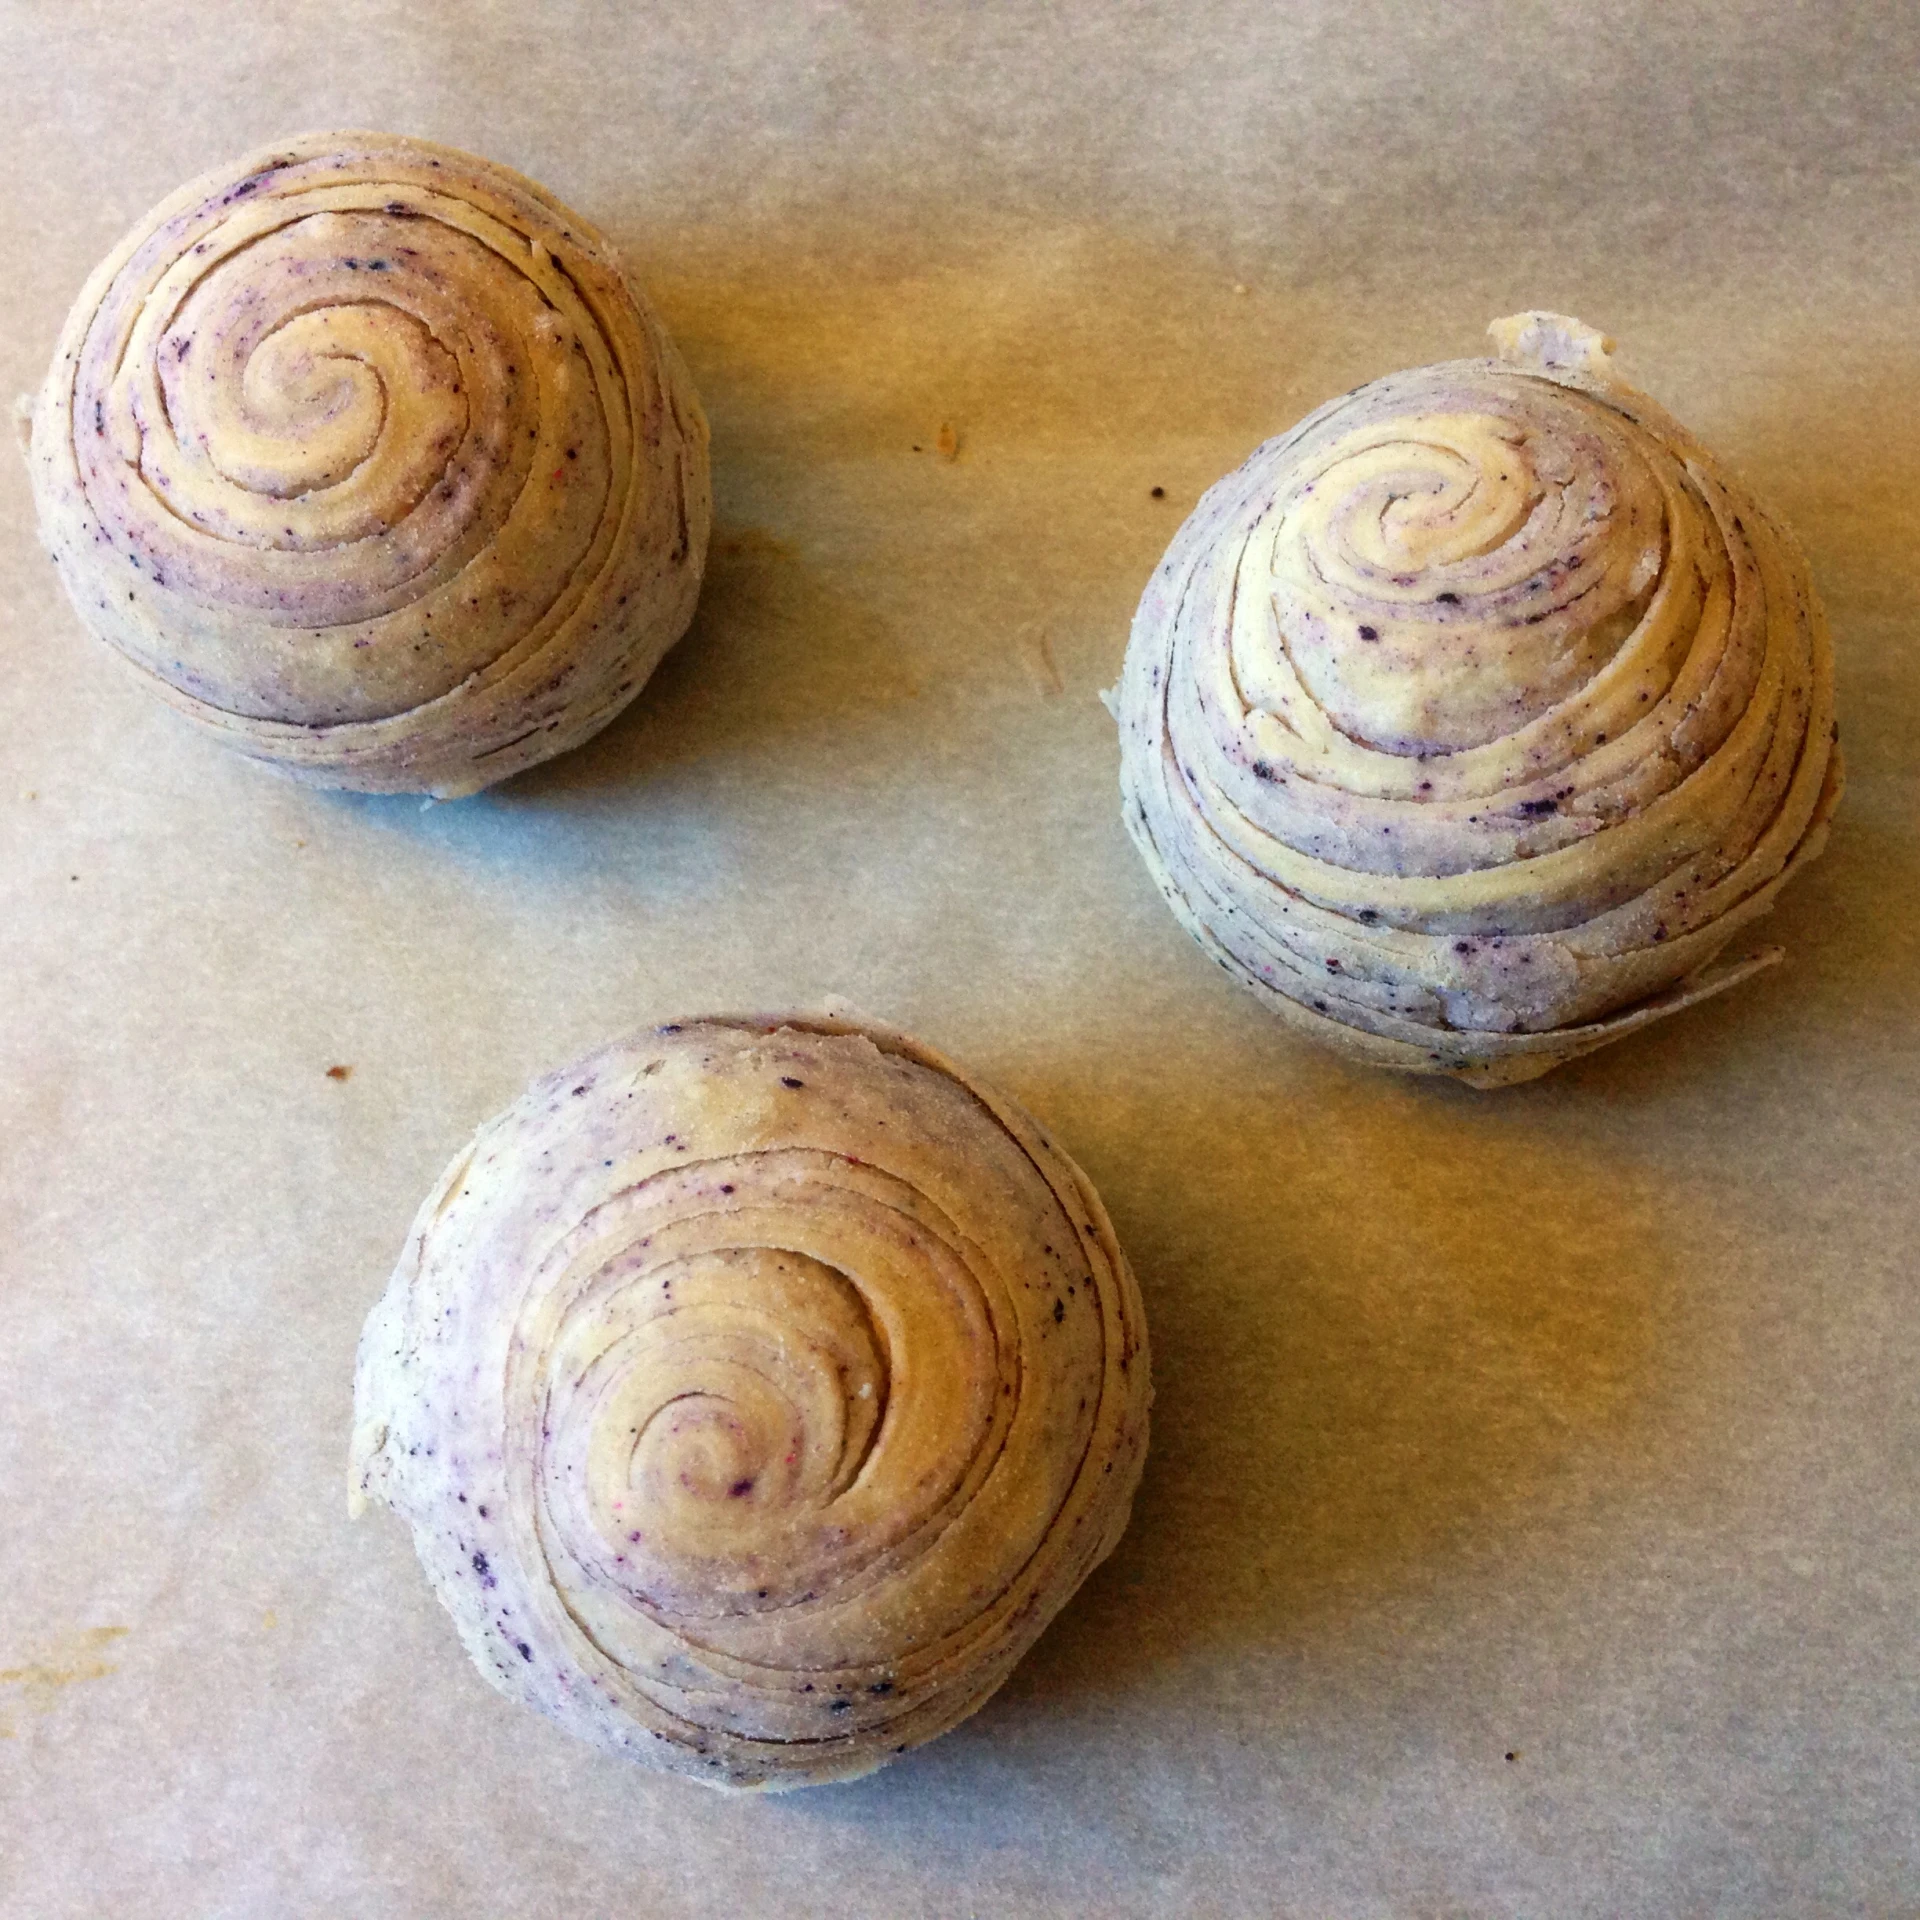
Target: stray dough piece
{"x":364,"y":453}
{"x":1468,"y":721}
{"x":756,"y":1391}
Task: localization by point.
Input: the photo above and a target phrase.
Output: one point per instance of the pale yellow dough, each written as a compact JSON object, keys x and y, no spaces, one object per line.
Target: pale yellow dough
{"x":756,"y":1391}
{"x":1469,"y":721}
{"x":366,"y":456}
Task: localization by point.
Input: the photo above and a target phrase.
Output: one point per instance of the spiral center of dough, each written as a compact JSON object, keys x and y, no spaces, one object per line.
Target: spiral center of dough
{"x":756,"y":1384}
{"x":1440,"y":579}
{"x":737,"y":1424}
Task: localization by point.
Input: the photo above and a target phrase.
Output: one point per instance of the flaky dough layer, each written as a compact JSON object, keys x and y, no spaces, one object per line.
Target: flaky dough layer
{"x":365,"y":455}
{"x":756,"y":1391}
{"x":1470,"y":720}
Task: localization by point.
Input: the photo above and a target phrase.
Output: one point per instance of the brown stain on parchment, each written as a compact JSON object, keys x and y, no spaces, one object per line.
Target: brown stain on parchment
{"x":38,"y":1686}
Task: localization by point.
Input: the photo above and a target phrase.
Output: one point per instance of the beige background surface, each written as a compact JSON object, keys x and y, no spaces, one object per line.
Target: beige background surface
{"x":1530,"y":1526}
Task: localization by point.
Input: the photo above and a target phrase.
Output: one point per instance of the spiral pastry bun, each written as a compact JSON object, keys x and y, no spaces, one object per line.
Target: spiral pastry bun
{"x":756,"y":1391}
{"x":367,"y":457}
{"x":1467,"y":722}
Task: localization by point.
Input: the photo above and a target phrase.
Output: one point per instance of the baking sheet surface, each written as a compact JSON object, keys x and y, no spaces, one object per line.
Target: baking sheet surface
{"x":1530,"y":1522}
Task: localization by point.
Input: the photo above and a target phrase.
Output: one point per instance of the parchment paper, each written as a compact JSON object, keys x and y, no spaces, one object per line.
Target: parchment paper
{"x":1530,"y":1523}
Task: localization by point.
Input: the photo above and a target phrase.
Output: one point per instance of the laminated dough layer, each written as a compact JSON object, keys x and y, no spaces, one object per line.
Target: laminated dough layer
{"x":367,"y":458}
{"x":1468,"y":722}
{"x":756,"y":1392}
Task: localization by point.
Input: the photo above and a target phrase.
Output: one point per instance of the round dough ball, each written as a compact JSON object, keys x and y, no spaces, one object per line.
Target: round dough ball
{"x":1470,"y":720}
{"x":756,"y":1391}
{"x":366,"y":456}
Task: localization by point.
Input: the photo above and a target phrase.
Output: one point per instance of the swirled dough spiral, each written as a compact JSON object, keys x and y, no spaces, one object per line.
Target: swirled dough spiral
{"x":364,"y":453}
{"x":756,"y":1393}
{"x":1467,"y":722}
